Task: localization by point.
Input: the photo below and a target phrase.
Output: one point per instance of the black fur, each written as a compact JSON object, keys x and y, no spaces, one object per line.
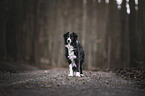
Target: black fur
{"x":77,"y":49}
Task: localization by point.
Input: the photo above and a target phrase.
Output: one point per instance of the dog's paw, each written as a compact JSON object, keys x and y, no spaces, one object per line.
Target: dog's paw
{"x":78,"y":74}
{"x":82,"y":75}
{"x":70,"y":75}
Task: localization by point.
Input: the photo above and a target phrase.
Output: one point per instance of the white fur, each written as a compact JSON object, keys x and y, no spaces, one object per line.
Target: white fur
{"x":71,"y":57}
{"x":78,"y":74}
{"x":70,"y":70}
{"x":82,"y":75}
{"x":71,"y":52}
{"x":68,"y":39}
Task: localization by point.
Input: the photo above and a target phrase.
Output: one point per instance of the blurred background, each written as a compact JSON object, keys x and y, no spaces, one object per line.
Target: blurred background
{"x":112,"y":32}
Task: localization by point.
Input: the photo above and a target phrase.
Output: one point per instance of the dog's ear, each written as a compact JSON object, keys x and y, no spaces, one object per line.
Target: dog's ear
{"x":65,"y":34}
{"x":75,"y":35}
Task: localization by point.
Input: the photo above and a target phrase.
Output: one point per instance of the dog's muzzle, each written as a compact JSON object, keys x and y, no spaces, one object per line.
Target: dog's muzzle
{"x":68,"y":40}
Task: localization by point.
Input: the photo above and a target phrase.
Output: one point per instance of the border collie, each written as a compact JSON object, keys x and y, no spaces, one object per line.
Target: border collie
{"x":74,"y":54}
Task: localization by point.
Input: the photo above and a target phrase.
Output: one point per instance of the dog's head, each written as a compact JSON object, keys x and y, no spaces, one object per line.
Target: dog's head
{"x":70,"y":38}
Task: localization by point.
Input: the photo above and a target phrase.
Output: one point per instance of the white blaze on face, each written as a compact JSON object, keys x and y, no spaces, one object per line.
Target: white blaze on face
{"x":69,"y":40}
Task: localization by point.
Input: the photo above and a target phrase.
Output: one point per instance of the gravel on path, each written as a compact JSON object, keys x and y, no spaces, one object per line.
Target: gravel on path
{"x":57,"y":83}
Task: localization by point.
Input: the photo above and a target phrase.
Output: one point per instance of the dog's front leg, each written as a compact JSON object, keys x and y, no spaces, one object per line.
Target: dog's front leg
{"x":78,"y":74}
{"x":70,"y":70}
{"x":78,"y":70}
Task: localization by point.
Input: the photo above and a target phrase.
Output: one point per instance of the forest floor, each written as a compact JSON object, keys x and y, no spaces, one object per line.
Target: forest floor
{"x":54,"y":82}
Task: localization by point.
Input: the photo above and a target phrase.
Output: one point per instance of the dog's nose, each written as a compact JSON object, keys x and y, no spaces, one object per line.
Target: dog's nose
{"x":68,"y":41}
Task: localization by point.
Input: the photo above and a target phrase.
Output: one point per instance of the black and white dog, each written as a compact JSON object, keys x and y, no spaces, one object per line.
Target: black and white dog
{"x":74,"y":54}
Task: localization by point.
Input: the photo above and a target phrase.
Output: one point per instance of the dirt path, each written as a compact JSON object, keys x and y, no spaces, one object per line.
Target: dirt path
{"x":57,"y":83}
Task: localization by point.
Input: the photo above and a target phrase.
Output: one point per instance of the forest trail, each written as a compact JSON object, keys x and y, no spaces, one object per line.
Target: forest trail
{"x":57,"y":83}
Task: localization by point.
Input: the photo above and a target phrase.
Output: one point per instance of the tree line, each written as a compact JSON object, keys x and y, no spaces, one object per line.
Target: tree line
{"x":31,"y":31}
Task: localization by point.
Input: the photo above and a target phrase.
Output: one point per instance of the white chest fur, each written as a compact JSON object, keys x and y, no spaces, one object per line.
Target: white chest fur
{"x":70,"y":52}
